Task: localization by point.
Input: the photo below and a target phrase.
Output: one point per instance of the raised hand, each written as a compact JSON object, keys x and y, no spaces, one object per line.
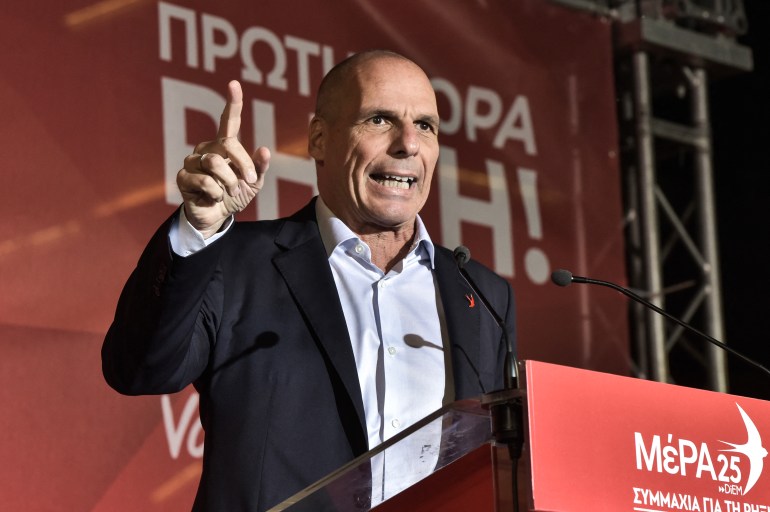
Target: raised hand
{"x":220,"y":178}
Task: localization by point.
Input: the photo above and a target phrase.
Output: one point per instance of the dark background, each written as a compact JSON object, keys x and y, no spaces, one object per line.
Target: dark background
{"x":740,"y":111}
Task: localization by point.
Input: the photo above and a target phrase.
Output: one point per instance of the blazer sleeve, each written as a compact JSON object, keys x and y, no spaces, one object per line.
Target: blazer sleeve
{"x":166,"y":320}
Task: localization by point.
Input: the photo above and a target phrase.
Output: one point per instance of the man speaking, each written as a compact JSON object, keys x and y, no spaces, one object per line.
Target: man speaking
{"x":312,"y":338}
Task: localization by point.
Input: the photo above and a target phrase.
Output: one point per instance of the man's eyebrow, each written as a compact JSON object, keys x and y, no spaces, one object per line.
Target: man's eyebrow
{"x":376,"y":111}
{"x":430,"y":119}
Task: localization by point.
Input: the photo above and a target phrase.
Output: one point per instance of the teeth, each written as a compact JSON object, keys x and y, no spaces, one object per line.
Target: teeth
{"x":394,"y":181}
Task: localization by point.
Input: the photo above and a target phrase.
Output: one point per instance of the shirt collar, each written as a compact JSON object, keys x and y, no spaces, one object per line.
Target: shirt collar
{"x":335,"y":232}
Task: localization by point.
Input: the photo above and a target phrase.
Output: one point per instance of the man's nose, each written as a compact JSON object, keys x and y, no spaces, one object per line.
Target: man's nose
{"x":406,"y":142}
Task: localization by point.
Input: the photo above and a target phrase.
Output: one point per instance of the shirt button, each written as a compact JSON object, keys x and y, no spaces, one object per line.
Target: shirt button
{"x":359,"y":248}
{"x":392,"y":351}
{"x":395,"y":423}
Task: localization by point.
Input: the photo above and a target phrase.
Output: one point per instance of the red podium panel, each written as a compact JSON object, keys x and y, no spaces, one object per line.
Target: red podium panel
{"x":466,"y":485}
{"x":601,"y":442}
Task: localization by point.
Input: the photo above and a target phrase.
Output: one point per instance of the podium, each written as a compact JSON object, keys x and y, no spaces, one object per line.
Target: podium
{"x":593,"y":442}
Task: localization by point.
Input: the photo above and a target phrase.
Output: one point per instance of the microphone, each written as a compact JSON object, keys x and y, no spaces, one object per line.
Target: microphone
{"x":506,"y":415}
{"x":462,"y":255}
{"x":563,"y":278}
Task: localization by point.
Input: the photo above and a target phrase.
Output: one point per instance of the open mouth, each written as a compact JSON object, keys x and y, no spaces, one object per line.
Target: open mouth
{"x":393,"y":181}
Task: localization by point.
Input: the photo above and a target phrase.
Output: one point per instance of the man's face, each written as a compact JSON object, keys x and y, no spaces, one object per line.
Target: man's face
{"x":377,"y":147}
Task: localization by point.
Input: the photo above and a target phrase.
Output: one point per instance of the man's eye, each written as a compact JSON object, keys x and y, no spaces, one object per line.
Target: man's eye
{"x":424,"y":126}
{"x":378,"y":120}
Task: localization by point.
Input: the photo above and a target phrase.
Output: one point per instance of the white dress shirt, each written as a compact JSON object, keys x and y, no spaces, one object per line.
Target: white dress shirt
{"x":396,"y":325}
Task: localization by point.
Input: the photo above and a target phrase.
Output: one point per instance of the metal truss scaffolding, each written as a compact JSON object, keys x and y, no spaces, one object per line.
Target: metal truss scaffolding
{"x":663,"y":65}
{"x":666,"y":52}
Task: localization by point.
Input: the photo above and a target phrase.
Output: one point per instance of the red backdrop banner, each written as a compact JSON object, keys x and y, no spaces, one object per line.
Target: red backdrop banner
{"x":103,"y":99}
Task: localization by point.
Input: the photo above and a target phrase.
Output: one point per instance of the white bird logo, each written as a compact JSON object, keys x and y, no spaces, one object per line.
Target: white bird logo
{"x":752,"y":449}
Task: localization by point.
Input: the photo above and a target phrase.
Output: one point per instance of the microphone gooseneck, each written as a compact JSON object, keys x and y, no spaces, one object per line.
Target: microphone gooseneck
{"x":511,"y":368}
{"x":506,"y":412}
{"x":563,"y":277}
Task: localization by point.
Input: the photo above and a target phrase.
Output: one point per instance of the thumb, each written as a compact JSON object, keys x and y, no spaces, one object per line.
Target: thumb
{"x":261,"y":158}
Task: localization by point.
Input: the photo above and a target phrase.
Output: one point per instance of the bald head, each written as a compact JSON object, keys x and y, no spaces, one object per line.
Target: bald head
{"x":334,"y":88}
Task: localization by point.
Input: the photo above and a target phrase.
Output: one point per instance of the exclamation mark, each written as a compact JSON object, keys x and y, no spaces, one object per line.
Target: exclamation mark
{"x":536,"y":263}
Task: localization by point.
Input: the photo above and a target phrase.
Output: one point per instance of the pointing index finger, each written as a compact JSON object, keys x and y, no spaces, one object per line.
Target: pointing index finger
{"x":230,"y":122}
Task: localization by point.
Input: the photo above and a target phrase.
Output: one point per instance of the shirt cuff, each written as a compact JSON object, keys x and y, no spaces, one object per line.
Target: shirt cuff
{"x":186,"y":240}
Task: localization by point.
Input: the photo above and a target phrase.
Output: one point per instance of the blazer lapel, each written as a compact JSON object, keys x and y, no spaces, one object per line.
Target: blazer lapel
{"x":305,"y":269}
{"x":461,"y":310}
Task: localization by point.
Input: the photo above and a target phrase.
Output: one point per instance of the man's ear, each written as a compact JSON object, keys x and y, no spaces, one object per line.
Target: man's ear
{"x":316,"y":139}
